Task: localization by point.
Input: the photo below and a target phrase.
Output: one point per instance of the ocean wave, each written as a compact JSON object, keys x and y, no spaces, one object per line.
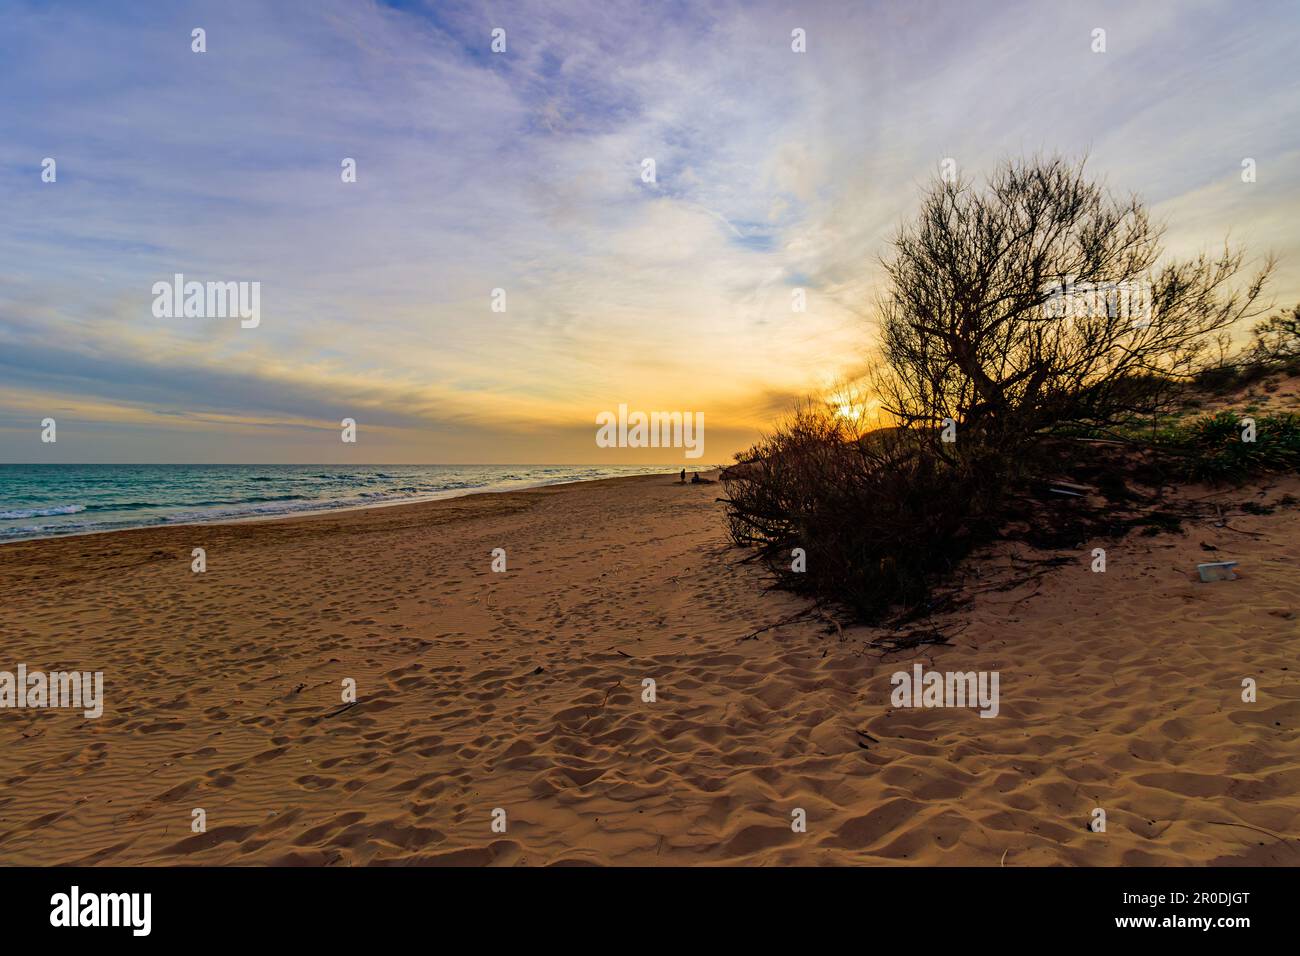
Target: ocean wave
{"x":21,"y":513}
{"x":170,"y":495}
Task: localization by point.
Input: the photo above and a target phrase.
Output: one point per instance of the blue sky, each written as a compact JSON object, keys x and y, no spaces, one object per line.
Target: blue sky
{"x":521,"y":171}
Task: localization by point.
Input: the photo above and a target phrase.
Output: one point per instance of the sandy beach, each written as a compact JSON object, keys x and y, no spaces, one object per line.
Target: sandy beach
{"x":523,"y":691}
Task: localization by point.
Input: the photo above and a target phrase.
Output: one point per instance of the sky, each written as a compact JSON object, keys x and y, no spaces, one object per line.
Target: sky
{"x":523,"y":171}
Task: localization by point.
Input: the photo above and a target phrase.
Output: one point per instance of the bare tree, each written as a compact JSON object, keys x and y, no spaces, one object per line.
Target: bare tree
{"x":1042,"y":300}
{"x":1038,"y":302}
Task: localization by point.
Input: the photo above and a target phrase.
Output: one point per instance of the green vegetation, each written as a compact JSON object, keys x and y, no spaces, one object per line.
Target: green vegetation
{"x":1212,"y":448}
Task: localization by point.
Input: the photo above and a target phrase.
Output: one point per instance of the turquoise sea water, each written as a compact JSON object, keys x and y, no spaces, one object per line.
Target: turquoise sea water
{"x":38,"y":501}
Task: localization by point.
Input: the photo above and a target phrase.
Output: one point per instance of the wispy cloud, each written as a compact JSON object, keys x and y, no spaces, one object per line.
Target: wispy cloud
{"x":522,"y":171}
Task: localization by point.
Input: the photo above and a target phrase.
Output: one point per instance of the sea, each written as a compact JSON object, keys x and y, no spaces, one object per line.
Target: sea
{"x":41,"y":501}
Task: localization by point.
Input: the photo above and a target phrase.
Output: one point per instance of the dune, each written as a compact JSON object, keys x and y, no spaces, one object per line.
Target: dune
{"x":505,"y":718}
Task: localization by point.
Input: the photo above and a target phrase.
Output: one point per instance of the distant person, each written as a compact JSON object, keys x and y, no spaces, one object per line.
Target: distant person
{"x":683,"y":476}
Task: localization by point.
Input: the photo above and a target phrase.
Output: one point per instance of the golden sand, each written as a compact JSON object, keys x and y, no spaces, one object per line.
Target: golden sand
{"x":524,"y":691}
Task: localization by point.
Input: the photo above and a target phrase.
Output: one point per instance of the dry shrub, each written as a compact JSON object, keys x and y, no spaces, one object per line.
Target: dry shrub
{"x":877,"y":515}
{"x":973,"y":333}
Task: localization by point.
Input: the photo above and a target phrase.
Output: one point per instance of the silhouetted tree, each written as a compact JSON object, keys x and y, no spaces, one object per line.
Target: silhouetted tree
{"x":1037,"y":302}
{"x":1042,"y":299}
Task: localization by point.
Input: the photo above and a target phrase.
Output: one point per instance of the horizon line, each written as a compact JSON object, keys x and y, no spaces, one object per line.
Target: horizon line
{"x":366,"y":464}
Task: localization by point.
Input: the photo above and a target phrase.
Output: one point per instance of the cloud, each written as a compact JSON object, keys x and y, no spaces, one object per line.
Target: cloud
{"x":521,"y":171}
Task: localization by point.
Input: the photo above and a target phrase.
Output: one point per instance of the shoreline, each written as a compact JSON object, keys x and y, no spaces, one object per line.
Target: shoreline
{"x":340,"y":509}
